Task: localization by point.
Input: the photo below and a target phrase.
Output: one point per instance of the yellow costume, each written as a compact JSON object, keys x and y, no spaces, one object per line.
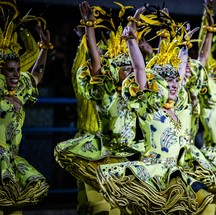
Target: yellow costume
{"x":20,"y":183}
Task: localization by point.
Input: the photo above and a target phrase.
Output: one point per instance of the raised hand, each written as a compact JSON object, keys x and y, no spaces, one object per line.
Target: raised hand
{"x":44,"y":35}
{"x":128,"y":33}
{"x":86,"y":11}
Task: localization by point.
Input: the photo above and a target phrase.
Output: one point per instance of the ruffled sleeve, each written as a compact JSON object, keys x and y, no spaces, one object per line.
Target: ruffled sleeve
{"x":154,"y":96}
{"x":27,"y":90}
{"x":3,"y":86}
{"x":208,"y":93}
{"x":197,"y":80}
{"x":94,"y":87}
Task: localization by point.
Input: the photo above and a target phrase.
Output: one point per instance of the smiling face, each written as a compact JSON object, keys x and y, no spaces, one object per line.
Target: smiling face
{"x":11,"y":71}
{"x":173,"y":85}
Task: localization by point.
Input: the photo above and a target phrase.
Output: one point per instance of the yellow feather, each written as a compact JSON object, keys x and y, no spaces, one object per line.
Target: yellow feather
{"x":172,"y":45}
{"x":98,"y":10}
{"x":163,"y":46}
{"x":150,"y":21}
{"x":13,"y":6}
{"x":152,"y":62}
{"x":28,"y":18}
{"x":8,"y":34}
{"x":123,"y":9}
{"x":28,"y":58}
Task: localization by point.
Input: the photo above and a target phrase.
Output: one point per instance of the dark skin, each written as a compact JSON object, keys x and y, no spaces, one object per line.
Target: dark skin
{"x":206,"y":45}
{"x":11,"y":69}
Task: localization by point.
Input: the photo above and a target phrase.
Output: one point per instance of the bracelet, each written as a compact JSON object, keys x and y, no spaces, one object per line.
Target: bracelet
{"x":43,"y":45}
{"x":210,"y":29}
{"x":132,"y":19}
{"x":89,"y":23}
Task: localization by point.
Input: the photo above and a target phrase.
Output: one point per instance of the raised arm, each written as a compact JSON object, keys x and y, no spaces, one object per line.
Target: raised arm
{"x":183,"y":54}
{"x":88,"y":20}
{"x":206,"y":45}
{"x":39,"y":66}
{"x":135,"y":56}
{"x":144,"y":46}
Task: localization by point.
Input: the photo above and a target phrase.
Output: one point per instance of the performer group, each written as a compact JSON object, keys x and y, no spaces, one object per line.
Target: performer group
{"x":141,"y":97}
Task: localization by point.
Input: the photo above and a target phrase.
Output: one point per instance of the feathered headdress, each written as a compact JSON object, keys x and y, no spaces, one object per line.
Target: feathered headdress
{"x":10,"y":24}
{"x":104,"y":19}
{"x":174,"y":35}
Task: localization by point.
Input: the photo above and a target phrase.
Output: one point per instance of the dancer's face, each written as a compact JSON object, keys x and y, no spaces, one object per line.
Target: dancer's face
{"x":11,"y":71}
{"x":173,"y":84}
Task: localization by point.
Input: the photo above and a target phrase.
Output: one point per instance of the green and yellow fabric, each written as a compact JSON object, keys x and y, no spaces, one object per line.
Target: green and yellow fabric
{"x":155,"y":184}
{"x":20,"y":183}
{"x":115,"y":139}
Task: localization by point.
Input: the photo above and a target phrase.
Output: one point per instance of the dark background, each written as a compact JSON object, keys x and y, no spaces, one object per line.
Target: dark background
{"x":62,"y":17}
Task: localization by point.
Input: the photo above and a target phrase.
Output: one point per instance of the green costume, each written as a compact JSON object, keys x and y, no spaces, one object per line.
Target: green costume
{"x":194,"y":161}
{"x":156,"y":184}
{"x":188,"y":104}
{"x":20,"y":183}
{"x":114,"y":142}
{"x":208,"y":107}
{"x":208,"y":116}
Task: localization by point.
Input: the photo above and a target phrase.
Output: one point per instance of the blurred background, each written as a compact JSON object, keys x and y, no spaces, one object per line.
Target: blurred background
{"x":53,"y":118}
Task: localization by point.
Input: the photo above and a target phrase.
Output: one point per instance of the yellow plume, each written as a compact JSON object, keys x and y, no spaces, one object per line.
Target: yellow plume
{"x":123,"y":9}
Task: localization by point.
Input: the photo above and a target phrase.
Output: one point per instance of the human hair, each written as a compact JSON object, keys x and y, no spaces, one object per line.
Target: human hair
{"x":4,"y":58}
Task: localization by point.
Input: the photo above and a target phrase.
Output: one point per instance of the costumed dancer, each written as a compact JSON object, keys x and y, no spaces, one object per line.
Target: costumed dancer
{"x":155,"y":184}
{"x":100,"y":80}
{"x":191,"y":93}
{"x":88,"y":120}
{"x":208,"y":98}
{"x":20,"y":183}
{"x":187,"y":107}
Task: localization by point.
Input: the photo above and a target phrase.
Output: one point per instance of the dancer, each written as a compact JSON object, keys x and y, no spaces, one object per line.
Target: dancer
{"x":208,"y":95}
{"x":88,"y":120}
{"x":100,"y":80}
{"x":20,"y":183}
{"x":149,"y":186}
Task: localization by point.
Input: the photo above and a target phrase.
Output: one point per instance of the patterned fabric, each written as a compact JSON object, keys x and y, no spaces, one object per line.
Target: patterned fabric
{"x":208,"y":111}
{"x":197,"y":163}
{"x":117,"y":125}
{"x":150,"y":185}
{"x":20,"y":183}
